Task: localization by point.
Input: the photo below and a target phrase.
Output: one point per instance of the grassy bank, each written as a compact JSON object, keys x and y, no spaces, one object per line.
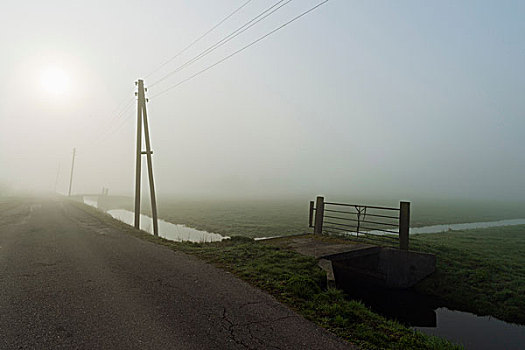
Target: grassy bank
{"x":238,"y":218}
{"x":480,"y":271}
{"x":297,"y":281}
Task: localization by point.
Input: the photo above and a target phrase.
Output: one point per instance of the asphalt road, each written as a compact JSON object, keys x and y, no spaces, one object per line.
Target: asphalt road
{"x":68,"y":280}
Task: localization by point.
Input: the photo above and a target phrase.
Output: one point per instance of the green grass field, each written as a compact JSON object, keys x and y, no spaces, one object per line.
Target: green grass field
{"x":266,"y":218}
{"x":480,"y":271}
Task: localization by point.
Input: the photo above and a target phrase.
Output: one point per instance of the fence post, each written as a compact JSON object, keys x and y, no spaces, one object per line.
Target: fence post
{"x":319,"y":214}
{"x":311,"y":215}
{"x":404,"y":224}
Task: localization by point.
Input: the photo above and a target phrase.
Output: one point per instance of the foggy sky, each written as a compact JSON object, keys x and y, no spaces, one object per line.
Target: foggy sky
{"x":404,"y":98}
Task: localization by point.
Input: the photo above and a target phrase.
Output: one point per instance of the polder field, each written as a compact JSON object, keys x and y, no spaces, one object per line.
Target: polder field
{"x":267,"y":218}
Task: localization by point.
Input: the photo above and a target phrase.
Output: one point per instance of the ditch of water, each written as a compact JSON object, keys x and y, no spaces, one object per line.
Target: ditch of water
{"x":453,"y":227}
{"x":429,"y":316}
{"x":466,"y":226}
{"x":167,"y":230}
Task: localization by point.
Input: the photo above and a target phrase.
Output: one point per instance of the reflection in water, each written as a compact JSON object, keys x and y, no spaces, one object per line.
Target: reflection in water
{"x":452,"y":227}
{"x":427,"y":315}
{"x":476,"y":332}
{"x":467,"y":226}
{"x":403,"y":305}
{"x":91,"y":202}
{"x":167,"y":230}
{"x":448,"y":227}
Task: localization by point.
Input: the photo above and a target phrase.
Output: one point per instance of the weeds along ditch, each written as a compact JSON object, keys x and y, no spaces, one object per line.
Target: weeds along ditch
{"x":480,"y":271}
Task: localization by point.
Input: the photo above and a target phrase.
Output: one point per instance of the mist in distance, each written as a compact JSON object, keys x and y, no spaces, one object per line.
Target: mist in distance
{"x":356,"y":100}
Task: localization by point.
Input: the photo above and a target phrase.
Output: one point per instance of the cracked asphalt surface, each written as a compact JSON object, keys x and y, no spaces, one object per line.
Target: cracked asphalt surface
{"x":68,"y":280}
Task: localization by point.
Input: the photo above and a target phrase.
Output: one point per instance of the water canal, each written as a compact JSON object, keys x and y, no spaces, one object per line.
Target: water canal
{"x":429,"y":316}
{"x":167,"y":230}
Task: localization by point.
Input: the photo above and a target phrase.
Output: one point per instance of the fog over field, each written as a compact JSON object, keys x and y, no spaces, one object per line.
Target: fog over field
{"x":368,"y":99}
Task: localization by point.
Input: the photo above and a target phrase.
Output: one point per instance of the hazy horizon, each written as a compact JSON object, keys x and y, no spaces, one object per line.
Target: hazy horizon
{"x":404,"y":100}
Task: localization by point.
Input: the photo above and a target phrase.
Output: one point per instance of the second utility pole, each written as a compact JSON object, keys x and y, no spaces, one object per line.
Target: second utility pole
{"x":142,"y":117}
{"x":71,"y":176}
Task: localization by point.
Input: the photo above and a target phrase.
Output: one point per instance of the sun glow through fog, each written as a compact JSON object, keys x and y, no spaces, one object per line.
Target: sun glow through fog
{"x":54,"y":81}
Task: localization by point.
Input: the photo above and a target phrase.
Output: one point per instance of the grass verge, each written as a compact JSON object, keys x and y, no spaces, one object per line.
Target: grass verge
{"x":480,"y":271}
{"x":297,"y":281}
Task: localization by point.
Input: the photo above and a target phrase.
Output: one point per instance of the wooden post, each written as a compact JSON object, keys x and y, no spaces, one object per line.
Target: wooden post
{"x":138,"y":156}
{"x":311,"y":215}
{"x":319,"y":215}
{"x":150,"y":172}
{"x":404,"y":224}
{"x":72,"y":168}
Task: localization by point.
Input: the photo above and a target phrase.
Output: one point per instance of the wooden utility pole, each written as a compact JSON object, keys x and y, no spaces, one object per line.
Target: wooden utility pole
{"x":138,"y":155}
{"x":71,"y":176}
{"x":142,"y":117}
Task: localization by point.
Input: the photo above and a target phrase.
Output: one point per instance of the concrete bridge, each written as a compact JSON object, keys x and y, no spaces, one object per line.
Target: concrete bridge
{"x":365,"y":263}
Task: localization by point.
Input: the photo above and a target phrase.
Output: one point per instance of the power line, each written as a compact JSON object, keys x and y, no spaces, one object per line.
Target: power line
{"x":124,"y":121}
{"x":115,"y":115}
{"x":261,"y":16}
{"x":241,"y":49}
{"x":110,"y":131}
{"x":122,"y":109}
{"x":106,"y":126}
{"x":119,"y":126}
{"x":198,"y":39}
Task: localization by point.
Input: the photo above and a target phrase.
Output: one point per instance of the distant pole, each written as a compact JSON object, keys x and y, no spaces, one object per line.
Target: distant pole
{"x":72,"y":168}
{"x":142,"y":117}
{"x":138,"y":156}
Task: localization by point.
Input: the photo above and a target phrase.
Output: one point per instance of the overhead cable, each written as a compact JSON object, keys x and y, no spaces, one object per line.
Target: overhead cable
{"x":198,"y":39}
{"x":241,"y":49}
{"x":261,"y":16}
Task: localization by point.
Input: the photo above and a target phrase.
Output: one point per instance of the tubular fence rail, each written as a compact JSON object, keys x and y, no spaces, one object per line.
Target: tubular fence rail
{"x":380,"y":225}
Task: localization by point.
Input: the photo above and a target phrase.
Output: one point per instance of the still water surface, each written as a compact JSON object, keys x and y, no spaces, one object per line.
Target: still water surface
{"x":167,"y":230}
{"x":453,"y":227}
{"x":476,"y":332}
{"x":466,"y":226}
{"x":428,"y":315}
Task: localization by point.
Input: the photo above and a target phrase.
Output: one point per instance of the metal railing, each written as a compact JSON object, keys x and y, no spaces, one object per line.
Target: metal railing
{"x":381,"y":225}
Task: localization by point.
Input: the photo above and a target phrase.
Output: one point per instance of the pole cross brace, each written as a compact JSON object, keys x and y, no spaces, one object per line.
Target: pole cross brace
{"x":146,"y":152}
